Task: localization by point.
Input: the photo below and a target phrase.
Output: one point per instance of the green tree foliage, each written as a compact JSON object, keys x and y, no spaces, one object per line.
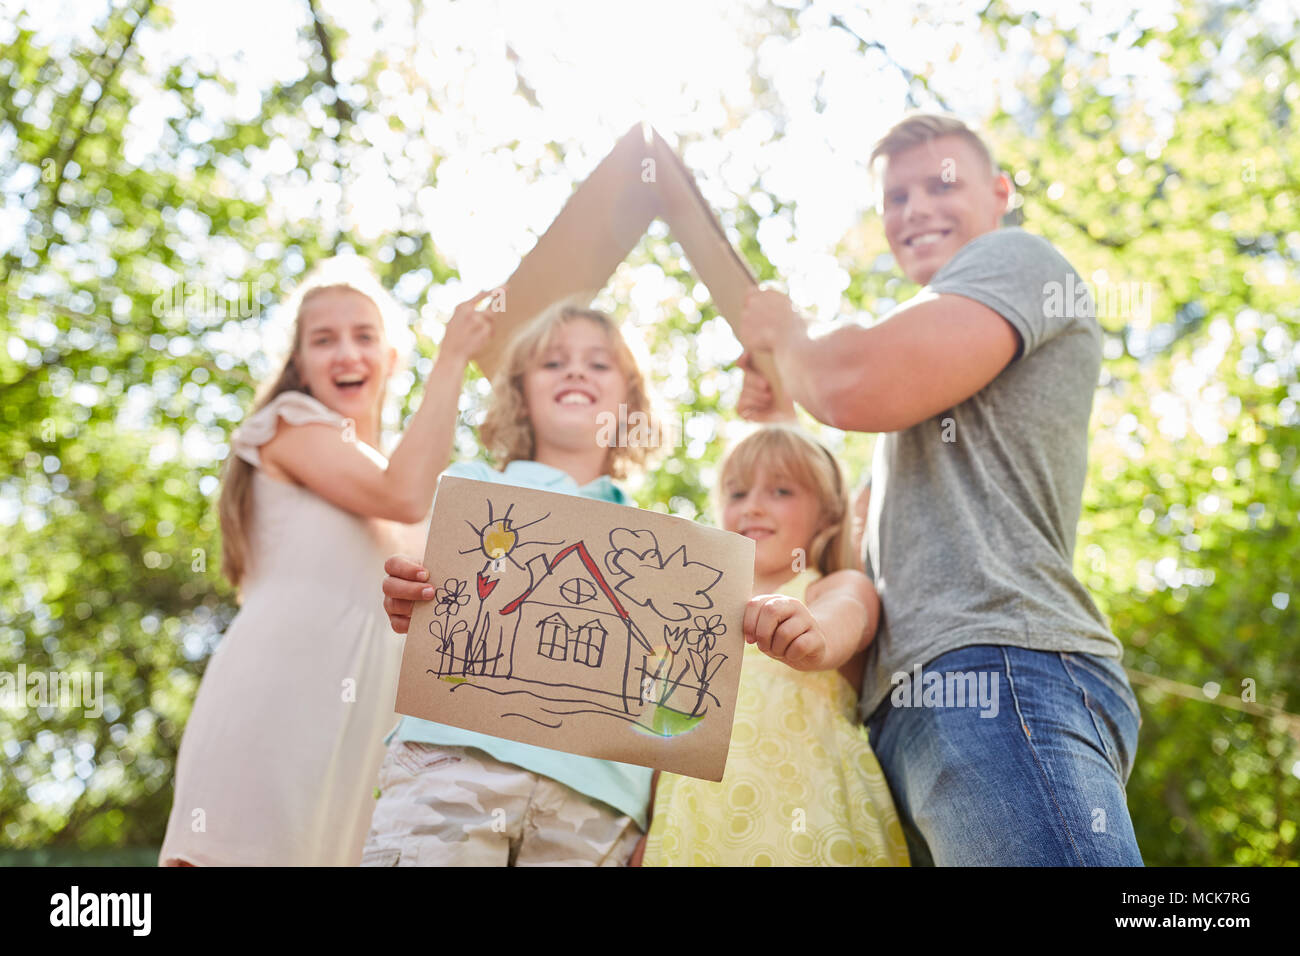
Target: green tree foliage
{"x":1160,"y":159}
{"x":1192,"y":508}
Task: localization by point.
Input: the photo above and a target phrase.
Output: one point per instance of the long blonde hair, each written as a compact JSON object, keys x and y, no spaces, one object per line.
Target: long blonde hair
{"x":235,"y":506}
{"x":507,"y":432}
{"x":794,"y":454}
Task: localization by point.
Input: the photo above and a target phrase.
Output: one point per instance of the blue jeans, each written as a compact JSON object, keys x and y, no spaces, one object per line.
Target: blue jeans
{"x":1027,"y":770}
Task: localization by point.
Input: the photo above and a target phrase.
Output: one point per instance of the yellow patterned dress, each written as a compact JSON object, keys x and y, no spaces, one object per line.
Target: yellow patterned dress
{"x":802,"y":787}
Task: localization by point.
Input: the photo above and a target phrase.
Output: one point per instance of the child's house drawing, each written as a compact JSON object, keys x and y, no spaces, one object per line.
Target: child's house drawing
{"x":569,"y":637}
{"x":579,"y":625}
{"x":567,"y":616}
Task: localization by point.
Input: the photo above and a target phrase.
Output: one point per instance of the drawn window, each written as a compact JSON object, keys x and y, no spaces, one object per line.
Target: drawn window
{"x":589,"y":643}
{"x":578,"y":591}
{"x":553,"y":640}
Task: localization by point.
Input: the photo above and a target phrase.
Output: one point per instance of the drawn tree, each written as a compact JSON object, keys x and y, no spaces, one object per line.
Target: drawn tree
{"x":639,"y":571}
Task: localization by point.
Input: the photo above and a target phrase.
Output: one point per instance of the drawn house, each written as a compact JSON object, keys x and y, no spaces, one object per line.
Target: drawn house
{"x":572,"y":634}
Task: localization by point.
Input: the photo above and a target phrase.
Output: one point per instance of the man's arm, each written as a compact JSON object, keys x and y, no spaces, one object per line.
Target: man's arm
{"x":932,"y":354}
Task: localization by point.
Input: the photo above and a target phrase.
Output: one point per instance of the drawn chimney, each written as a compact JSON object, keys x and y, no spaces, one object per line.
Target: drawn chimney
{"x":537,"y":569}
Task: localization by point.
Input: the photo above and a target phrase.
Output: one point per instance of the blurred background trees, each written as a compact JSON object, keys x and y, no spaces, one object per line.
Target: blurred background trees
{"x":164,"y":184}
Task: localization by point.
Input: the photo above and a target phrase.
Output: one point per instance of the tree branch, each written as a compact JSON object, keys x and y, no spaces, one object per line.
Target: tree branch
{"x":912,"y":78}
{"x":342,"y":111}
{"x":84,"y":126}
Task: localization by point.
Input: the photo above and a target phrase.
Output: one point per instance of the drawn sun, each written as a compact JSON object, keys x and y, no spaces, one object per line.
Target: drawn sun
{"x":499,"y":537}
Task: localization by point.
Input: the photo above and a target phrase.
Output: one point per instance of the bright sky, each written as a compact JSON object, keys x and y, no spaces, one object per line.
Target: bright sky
{"x":598,"y":66}
{"x":595,"y":67}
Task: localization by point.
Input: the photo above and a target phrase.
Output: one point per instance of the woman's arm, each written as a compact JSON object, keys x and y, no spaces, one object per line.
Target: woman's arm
{"x":350,"y":475}
{"x":838,"y":622}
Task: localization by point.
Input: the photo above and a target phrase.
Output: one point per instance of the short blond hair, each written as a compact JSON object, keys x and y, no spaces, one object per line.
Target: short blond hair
{"x":792,"y":453}
{"x":507,"y":432}
{"x":922,"y":128}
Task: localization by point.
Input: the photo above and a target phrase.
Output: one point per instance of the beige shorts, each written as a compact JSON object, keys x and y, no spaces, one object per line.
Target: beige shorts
{"x":459,"y":806}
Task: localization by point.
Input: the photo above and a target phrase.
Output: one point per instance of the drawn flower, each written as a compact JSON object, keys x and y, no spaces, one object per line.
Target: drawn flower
{"x":457,"y":632}
{"x":705,"y":668}
{"x":450,"y":598}
{"x":447,"y":634}
{"x":709,"y":629}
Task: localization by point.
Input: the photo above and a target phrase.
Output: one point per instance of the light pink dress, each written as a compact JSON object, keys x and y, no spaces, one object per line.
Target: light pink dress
{"x":282,"y":750}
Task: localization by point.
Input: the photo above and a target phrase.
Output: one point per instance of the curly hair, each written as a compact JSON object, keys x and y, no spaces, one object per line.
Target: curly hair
{"x":507,"y":433}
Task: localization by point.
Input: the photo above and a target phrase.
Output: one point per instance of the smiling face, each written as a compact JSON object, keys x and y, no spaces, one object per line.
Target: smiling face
{"x":779,"y":514}
{"x":343,"y":356}
{"x":571,"y":385}
{"x":937,"y":197}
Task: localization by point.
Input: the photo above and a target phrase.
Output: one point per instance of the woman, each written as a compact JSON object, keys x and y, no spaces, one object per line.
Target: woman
{"x":280,"y":756}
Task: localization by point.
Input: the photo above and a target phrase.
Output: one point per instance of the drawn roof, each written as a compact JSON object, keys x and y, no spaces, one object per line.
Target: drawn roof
{"x":593,"y":569}
{"x":603,"y":221}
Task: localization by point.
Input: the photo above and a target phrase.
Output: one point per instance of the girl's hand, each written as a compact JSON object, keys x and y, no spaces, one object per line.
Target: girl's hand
{"x":784,"y":629}
{"x":407,"y":582}
{"x":756,"y":402}
{"x":468,"y":330}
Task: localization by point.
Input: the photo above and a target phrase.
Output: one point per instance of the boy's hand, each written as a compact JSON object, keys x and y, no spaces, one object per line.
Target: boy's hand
{"x":784,"y":629}
{"x":407,"y":582}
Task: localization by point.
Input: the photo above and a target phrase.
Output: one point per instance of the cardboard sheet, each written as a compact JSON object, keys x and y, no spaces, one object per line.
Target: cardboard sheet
{"x":641,"y":179}
{"x":579,"y":625}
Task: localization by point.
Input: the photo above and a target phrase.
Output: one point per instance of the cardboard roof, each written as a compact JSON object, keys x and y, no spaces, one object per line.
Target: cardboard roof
{"x":603,"y":221}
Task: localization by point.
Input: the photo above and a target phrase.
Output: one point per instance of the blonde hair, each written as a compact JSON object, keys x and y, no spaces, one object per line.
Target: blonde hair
{"x":235,"y":505}
{"x":791,"y":452}
{"x":507,"y":432}
{"x":920,"y":129}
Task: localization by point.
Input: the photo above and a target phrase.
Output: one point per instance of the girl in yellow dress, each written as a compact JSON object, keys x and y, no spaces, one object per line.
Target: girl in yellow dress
{"x":802,"y":786}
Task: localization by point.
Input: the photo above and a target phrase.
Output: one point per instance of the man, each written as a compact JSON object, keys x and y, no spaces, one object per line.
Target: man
{"x":994,"y":695}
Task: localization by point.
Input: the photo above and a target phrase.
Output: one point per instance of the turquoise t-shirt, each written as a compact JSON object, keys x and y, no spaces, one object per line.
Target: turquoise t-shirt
{"x":621,"y":785}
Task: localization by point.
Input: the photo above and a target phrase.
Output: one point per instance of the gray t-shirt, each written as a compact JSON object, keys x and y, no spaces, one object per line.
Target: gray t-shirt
{"x":970,"y":532}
